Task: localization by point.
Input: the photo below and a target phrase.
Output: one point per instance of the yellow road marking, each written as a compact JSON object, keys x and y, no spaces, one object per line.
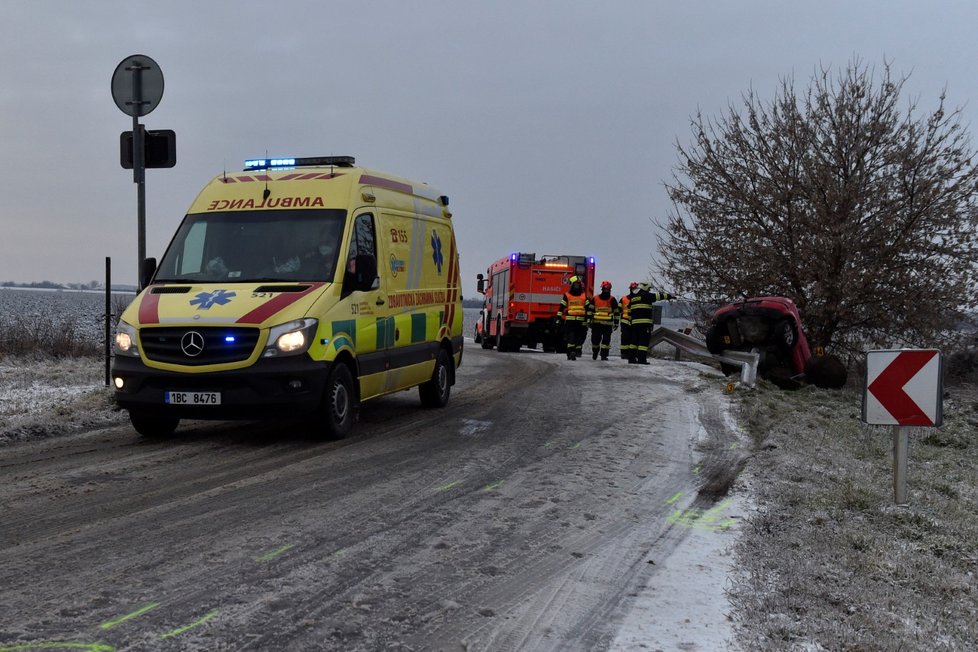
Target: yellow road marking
{"x":708,"y":520}
{"x":449,"y":485}
{"x":275,"y":553}
{"x":187,"y":628}
{"x":674,"y":498}
{"x":121,"y":619}
{"x":490,"y":487}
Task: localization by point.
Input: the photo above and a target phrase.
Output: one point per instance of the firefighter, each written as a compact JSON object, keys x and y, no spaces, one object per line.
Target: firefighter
{"x":602,"y":319}
{"x":573,"y":311}
{"x":627,"y":345}
{"x":640,"y":307}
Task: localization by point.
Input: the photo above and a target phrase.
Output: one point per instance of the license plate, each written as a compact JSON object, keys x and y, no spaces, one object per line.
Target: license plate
{"x":521,"y":316}
{"x":193,"y":398}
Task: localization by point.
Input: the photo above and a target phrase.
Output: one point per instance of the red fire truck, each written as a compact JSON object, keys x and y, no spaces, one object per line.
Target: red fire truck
{"x":522,"y":296}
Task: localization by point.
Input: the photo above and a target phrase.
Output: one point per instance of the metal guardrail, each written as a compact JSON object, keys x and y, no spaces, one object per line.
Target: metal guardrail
{"x":746,"y":361}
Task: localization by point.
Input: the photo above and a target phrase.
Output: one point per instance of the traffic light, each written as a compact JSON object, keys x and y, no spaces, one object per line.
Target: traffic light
{"x":159,"y":151}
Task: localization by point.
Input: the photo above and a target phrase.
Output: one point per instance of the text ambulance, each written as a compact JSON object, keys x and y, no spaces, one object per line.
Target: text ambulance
{"x":299,"y":288}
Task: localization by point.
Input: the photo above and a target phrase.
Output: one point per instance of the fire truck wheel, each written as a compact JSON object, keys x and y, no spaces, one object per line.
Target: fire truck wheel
{"x":337,"y":410}
{"x":435,"y":392}
{"x":151,"y":426}
{"x":477,"y":338}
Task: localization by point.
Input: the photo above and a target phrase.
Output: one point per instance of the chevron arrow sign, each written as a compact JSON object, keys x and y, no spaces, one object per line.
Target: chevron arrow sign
{"x":903,"y":388}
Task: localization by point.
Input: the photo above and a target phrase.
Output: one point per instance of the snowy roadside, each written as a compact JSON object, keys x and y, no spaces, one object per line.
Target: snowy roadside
{"x":48,"y":397}
{"x":684,"y":605}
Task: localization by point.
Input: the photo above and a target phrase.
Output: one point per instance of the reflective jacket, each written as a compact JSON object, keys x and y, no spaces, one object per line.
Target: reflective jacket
{"x":623,"y":304}
{"x":574,"y":307}
{"x":640,"y":305}
{"x":604,"y":310}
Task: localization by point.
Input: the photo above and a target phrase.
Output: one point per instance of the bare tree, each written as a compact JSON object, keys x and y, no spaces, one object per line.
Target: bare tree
{"x":863,"y":214}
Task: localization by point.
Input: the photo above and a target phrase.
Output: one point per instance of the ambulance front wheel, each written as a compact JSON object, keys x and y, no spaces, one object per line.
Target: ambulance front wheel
{"x":435,"y":392}
{"x":337,"y":410}
{"x":148,"y":425}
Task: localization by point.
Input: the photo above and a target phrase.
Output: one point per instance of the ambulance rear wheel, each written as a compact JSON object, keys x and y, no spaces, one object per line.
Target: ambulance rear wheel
{"x":337,"y":411}
{"x":435,"y":392}
{"x":152,"y":426}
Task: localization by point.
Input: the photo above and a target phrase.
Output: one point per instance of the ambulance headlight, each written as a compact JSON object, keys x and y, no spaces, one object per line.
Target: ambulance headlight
{"x":125,"y":340}
{"x":291,"y":338}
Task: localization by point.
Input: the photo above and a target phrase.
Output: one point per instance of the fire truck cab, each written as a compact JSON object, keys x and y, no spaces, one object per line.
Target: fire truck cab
{"x":522,"y":296}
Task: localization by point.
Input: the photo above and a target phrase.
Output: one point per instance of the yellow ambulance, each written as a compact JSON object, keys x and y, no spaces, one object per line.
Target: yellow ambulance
{"x":298,"y":289}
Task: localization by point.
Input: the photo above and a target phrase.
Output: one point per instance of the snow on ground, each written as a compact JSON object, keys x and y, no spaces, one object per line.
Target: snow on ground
{"x":47,"y":397}
{"x":684,"y":606}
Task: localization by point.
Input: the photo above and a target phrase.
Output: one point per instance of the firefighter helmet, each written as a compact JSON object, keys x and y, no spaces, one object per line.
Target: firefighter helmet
{"x":605,"y":285}
{"x":633,"y":285}
{"x":574,"y":279}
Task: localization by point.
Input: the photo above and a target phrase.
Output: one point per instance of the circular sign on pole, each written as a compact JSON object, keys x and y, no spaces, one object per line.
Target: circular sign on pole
{"x":137,"y":85}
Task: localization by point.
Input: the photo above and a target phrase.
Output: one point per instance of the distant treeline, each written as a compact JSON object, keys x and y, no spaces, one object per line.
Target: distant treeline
{"x":51,"y":285}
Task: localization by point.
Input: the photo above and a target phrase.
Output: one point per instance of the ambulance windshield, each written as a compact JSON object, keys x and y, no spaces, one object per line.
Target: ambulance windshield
{"x":243,"y":246}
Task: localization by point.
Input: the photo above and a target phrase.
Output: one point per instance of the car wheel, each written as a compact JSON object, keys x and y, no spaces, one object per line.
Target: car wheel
{"x":336,"y":414}
{"x":153,"y":426}
{"x":715,"y":338}
{"x":786,"y":336}
{"x":435,"y":392}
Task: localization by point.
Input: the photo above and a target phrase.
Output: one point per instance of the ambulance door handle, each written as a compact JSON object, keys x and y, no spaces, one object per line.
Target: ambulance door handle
{"x":380,"y":301}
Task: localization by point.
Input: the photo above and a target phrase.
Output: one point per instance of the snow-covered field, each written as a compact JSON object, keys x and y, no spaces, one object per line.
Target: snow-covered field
{"x":45,"y":395}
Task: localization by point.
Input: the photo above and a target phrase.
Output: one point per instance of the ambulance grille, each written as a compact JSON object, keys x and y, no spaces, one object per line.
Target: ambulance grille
{"x":199,"y":345}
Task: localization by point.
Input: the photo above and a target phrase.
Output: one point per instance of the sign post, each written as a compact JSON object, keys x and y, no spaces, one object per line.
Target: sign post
{"x":904,"y":388}
{"x":137,"y":88}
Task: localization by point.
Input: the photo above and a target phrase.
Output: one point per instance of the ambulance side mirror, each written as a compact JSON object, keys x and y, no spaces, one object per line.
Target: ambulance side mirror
{"x":361,"y":274}
{"x":146,"y":271}
{"x":480,"y":285}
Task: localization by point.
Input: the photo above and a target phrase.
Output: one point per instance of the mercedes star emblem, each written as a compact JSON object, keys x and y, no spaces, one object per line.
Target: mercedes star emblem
{"x":192,"y":344}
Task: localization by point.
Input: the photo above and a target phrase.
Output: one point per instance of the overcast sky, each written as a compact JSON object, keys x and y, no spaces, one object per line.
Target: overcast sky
{"x":551,"y":125}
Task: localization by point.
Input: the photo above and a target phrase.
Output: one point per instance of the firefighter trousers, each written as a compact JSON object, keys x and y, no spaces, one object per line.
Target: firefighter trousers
{"x":600,"y":340}
{"x":641,"y":336}
{"x":627,"y":347}
{"x":575,"y":332}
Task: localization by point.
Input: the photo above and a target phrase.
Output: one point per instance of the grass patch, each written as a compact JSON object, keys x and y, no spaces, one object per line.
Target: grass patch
{"x":45,"y":335}
{"x":829,"y":562}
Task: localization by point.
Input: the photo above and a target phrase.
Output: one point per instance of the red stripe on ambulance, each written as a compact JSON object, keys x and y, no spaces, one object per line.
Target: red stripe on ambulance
{"x":149,"y":308}
{"x":275,"y":304}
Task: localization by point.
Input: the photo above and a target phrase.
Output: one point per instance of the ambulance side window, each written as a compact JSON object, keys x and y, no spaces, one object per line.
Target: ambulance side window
{"x":363,"y":242}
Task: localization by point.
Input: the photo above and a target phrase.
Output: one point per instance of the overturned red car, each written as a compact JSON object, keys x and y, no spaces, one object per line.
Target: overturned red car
{"x":771,"y":327}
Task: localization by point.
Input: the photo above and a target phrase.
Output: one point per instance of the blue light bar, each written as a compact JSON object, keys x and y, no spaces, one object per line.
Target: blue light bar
{"x":229,"y":338}
{"x":310,"y":161}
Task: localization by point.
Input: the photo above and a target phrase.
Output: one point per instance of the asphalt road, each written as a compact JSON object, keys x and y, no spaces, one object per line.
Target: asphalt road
{"x":525,"y":515}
